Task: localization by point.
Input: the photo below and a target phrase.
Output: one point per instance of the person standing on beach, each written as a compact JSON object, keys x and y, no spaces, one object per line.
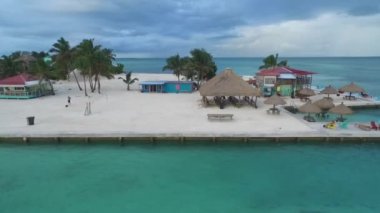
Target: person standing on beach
{"x":68,"y":100}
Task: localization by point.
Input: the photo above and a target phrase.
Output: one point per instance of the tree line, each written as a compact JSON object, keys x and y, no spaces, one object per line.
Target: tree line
{"x":91,"y":61}
{"x":199,"y":66}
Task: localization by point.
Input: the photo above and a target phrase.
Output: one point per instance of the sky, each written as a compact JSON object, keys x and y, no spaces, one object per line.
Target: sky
{"x":225,"y":28}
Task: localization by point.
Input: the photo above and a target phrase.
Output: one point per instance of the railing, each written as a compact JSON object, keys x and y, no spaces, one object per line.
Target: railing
{"x":23,"y":94}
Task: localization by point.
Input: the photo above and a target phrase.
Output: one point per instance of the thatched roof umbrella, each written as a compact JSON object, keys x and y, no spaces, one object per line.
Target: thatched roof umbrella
{"x":275,"y":100}
{"x":352,"y":88}
{"x":341,"y":109}
{"x":329,"y":90}
{"x":306,"y":92}
{"x":309,"y":108}
{"x":324,"y":103}
{"x":228,"y":83}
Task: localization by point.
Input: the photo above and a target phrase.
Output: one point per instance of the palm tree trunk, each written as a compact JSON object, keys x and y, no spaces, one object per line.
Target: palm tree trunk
{"x":51,"y":87}
{"x":99,"y":86}
{"x":85,"y":88}
{"x":96,"y":79}
{"x":76,"y":79}
{"x":90,"y":82}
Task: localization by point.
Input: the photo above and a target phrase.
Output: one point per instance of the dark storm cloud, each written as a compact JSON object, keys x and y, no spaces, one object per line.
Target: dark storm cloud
{"x":168,"y":24}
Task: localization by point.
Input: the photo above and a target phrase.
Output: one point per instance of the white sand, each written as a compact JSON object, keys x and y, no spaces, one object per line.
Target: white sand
{"x":118,"y":112}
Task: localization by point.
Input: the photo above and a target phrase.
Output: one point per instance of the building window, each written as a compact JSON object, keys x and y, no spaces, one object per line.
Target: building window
{"x":269,"y":81}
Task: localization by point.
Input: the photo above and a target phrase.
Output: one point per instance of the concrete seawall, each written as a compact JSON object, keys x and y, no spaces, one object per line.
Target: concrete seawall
{"x":185,"y":140}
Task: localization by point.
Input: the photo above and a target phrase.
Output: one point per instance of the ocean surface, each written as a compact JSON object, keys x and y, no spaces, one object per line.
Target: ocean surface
{"x":337,"y":71}
{"x":270,"y":177}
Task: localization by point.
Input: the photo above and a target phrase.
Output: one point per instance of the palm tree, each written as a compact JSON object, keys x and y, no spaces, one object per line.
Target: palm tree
{"x":272,"y":61}
{"x":188,"y":68}
{"x":85,"y":60}
{"x":176,"y":64}
{"x":103,"y":66}
{"x":203,"y":63}
{"x":44,"y":73}
{"x":8,"y":66}
{"x":63,"y":56}
{"x":94,"y":61}
{"x":128,"y":79}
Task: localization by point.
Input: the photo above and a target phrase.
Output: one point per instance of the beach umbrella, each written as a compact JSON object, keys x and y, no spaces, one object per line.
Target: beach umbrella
{"x":306,"y":92}
{"x":329,"y":90}
{"x":275,"y":100}
{"x":309,"y":108}
{"x":351,"y":88}
{"x":324,"y":103}
{"x":341,"y":109}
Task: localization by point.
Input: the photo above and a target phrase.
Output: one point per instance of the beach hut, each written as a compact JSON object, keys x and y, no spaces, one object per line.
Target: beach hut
{"x":167,"y":86}
{"x":329,"y":90}
{"x":351,"y":88}
{"x":309,"y":108}
{"x":283,"y":80}
{"x":341,"y":110}
{"x":228,"y":83}
{"x":23,"y":86}
{"x":274,"y":100}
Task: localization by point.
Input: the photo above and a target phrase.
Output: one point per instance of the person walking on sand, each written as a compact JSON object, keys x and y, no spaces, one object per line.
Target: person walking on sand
{"x":68,"y":100}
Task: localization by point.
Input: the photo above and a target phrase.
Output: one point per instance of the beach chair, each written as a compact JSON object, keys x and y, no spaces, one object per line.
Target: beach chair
{"x":374,"y":126}
{"x":363,"y":127}
{"x":309,"y":118}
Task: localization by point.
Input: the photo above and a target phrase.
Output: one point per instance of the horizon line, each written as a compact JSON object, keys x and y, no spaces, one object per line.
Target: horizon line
{"x":282,"y":57}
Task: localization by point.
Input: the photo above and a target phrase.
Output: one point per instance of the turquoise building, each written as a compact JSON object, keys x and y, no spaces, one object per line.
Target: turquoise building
{"x":167,"y":86}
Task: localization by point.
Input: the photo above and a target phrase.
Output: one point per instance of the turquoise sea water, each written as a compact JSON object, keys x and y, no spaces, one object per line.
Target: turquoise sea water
{"x":190,"y":178}
{"x":337,"y":71}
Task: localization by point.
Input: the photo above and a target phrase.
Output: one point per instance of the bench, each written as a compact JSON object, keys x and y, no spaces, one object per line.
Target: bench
{"x":219,"y":116}
{"x":273,"y":111}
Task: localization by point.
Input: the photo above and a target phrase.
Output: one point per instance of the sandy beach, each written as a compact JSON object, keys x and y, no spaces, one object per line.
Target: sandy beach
{"x":118,"y":112}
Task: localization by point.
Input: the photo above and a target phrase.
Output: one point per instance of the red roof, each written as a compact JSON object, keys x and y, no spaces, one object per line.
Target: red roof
{"x":19,"y":79}
{"x":276,"y":71}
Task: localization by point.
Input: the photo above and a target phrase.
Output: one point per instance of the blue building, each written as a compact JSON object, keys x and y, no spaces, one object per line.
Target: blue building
{"x":167,"y":86}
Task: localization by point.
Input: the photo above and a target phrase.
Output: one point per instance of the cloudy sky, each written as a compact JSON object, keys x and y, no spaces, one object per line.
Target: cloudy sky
{"x":160,"y":28}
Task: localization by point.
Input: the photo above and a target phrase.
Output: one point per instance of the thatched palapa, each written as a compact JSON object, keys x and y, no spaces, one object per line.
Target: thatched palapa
{"x":309,"y":108}
{"x":329,"y":90}
{"x":228,"y":83}
{"x":352,"y":88}
{"x":306,"y":92}
{"x":325,"y":103}
{"x":341,"y":109}
{"x":275,"y":100}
